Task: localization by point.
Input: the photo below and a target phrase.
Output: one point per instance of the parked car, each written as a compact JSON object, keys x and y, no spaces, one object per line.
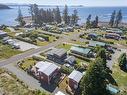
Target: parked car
{"x":16,"y":46}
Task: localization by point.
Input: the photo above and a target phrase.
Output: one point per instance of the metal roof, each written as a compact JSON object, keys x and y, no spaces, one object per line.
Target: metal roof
{"x":80,"y":49}
{"x":2,"y":32}
{"x":76,"y":76}
{"x":58,"y":52}
{"x":70,"y":59}
{"x":97,"y":44}
{"x":39,"y":64}
{"x":47,"y":68}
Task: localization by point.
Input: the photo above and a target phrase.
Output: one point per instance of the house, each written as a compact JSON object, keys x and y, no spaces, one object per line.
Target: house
{"x":70,"y":60}
{"x":114,"y":30}
{"x":57,"y":55}
{"x":69,"y":29}
{"x":92,"y":35}
{"x":74,"y":79}
{"x":46,"y":71}
{"x":94,"y":44}
{"x":3,"y":34}
{"x":112,"y":36}
{"x":80,"y":51}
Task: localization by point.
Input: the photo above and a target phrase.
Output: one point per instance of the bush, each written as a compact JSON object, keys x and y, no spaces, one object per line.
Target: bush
{"x":26,"y":40}
{"x":37,"y":58}
{"x":66,"y":70}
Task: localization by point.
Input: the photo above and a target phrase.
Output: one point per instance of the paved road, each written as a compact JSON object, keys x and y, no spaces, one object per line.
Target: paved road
{"x":23,"y":76}
{"x":19,"y":57}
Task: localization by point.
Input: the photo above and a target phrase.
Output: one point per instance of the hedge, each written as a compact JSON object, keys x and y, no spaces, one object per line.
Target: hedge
{"x":37,"y":58}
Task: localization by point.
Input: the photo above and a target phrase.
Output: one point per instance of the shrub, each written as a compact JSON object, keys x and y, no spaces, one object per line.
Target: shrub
{"x":26,"y":40}
{"x":66,"y":70}
{"x":37,"y":58}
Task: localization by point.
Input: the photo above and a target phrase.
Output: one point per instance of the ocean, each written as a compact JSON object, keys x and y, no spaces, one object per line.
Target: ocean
{"x":8,"y":16}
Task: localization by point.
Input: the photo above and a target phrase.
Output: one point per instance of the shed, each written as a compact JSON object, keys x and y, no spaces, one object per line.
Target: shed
{"x":71,"y":60}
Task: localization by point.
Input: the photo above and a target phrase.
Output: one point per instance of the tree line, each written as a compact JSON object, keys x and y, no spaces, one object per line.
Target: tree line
{"x":40,"y":16}
{"x":115,"y":20}
{"x":91,"y":24}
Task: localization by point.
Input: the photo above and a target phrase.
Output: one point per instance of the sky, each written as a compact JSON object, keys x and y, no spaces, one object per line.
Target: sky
{"x":71,"y":2}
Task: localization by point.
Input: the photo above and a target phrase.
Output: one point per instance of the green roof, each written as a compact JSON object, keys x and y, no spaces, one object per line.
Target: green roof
{"x":80,"y":49}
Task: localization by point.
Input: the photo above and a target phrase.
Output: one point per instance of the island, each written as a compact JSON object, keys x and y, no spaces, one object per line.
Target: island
{"x":4,"y":6}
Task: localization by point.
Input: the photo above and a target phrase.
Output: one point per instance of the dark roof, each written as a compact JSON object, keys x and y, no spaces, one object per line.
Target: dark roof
{"x":58,"y":52}
{"x":70,"y":59}
{"x":92,"y":34}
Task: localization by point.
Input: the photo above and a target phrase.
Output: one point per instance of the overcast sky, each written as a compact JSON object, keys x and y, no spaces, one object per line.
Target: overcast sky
{"x":71,"y":2}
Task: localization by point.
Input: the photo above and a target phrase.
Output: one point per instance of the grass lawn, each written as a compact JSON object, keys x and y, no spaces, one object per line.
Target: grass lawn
{"x":81,"y":61}
{"x":66,"y":46}
{"x":26,"y":63}
{"x":11,"y":85}
{"x":7,"y":30}
{"x":120,"y":77}
{"x":6,"y":51}
{"x":42,"y":43}
{"x":78,"y":43}
{"x":124,"y":42}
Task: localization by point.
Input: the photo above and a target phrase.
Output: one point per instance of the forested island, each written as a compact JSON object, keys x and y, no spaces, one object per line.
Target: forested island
{"x":4,"y":6}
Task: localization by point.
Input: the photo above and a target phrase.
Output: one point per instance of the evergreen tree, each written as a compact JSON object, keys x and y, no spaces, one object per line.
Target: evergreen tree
{"x":88,"y":22}
{"x":94,"y":24}
{"x":74,"y":17}
{"x":102,"y":54}
{"x":57,"y":15}
{"x":31,"y":11}
{"x":34,"y":11}
{"x":122,"y":61}
{"x":96,"y":21}
{"x":118,"y":18}
{"x":94,"y":81}
{"x":20,"y":18}
{"x":112,"y":19}
{"x":65,"y":15}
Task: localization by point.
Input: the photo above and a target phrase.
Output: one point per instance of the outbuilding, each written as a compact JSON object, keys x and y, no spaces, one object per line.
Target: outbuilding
{"x":70,"y":60}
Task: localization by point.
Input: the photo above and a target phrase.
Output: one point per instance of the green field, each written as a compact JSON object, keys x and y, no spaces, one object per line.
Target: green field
{"x":6,"y":51}
{"x":11,"y":85}
{"x":120,"y":78}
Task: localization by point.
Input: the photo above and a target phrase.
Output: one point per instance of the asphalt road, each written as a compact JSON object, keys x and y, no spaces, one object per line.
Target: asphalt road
{"x":26,"y":54}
